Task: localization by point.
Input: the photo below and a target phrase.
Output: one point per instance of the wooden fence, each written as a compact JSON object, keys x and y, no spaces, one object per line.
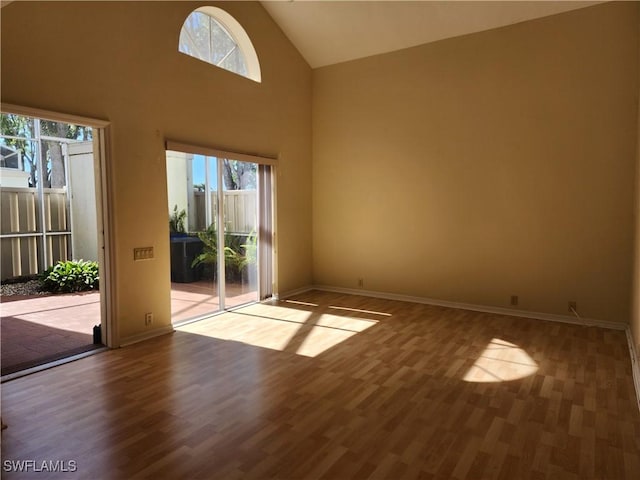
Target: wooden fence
{"x":240,"y":210}
{"x":24,"y":240}
{"x":23,"y":235}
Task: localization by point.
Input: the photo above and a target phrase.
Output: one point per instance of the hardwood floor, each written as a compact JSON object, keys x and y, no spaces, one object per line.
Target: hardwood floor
{"x":337,"y":386}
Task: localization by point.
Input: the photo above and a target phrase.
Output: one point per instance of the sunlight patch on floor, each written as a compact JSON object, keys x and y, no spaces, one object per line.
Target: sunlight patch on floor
{"x":292,"y":330}
{"x":369,"y":312}
{"x":321,"y":339}
{"x":329,"y":331}
{"x":276,"y":312}
{"x":297,"y":302}
{"x":501,"y":361}
{"x":345,"y":323}
{"x":262,"y":332}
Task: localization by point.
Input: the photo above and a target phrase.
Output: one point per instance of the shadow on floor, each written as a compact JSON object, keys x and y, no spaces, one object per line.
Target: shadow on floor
{"x":28,"y":344}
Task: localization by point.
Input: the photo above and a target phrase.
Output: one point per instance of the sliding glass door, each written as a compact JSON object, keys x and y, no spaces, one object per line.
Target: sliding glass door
{"x":214,"y":220}
{"x":240,"y":214}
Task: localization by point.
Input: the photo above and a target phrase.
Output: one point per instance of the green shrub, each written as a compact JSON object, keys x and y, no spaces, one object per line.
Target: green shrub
{"x":70,"y":276}
{"x":176,"y":220}
{"x":237,"y":256}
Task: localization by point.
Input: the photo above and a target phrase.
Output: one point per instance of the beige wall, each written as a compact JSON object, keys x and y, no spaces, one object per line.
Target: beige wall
{"x":496,"y":164}
{"x":635,"y":306}
{"x":119,"y":61}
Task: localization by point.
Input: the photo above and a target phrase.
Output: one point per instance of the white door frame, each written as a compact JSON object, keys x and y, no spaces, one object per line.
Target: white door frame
{"x":104,"y":196}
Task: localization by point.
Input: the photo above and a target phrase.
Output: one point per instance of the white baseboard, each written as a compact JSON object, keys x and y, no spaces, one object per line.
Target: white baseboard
{"x":139,"y":337}
{"x":476,"y":308}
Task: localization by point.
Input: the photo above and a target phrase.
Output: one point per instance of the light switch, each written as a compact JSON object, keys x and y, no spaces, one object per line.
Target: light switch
{"x":142,"y":253}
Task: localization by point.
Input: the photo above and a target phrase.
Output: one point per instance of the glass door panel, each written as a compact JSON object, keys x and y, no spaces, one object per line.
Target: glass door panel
{"x":240,"y":213}
{"x":193,"y":223}
{"x":213,"y":219}
{"x":205,"y":191}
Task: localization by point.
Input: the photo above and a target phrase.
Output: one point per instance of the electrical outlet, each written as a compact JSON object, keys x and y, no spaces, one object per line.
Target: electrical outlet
{"x":573,"y":306}
{"x":514,"y":300}
{"x":361,"y":282}
{"x":148,"y":319}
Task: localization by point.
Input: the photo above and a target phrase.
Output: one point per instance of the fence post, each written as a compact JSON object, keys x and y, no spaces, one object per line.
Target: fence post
{"x":14,"y":212}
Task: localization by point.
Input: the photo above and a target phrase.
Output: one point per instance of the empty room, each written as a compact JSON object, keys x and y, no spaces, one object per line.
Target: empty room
{"x":329,"y":239}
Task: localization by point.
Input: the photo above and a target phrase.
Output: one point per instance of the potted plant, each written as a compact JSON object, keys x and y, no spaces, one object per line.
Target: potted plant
{"x":251,"y":263}
{"x":208,"y":258}
{"x":239,"y":259}
{"x":184,"y":248}
{"x":176,"y":222}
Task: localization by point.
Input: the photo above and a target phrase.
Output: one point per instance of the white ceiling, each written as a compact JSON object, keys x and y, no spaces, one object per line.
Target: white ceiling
{"x":328,"y":32}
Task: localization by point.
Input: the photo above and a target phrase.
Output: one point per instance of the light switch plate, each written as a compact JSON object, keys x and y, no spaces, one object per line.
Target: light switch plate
{"x":142,"y":253}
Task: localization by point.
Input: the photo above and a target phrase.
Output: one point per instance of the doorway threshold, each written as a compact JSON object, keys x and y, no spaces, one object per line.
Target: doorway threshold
{"x":48,"y":365}
{"x":211,"y":315}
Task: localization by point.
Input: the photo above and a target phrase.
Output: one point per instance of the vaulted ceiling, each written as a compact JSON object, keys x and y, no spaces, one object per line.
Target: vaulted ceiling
{"x":328,"y":32}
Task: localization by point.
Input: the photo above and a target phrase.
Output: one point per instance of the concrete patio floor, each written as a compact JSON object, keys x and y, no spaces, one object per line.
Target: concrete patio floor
{"x":41,"y":329}
{"x":195,"y":299}
{"x":44,"y":328}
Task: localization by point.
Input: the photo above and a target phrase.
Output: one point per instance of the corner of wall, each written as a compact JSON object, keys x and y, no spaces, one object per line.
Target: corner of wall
{"x":635,"y":285}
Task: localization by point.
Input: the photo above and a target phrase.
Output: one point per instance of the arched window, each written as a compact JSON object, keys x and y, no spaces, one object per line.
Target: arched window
{"x":213,"y":36}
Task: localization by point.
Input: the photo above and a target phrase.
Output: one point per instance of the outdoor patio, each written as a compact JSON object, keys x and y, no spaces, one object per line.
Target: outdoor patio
{"x":191,"y":300}
{"x":41,"y":329}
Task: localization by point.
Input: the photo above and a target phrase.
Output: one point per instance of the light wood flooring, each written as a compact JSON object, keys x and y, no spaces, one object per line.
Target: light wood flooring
{"x":336,"y":386}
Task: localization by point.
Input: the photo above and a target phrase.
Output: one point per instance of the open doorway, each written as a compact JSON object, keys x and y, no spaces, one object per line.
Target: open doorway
{"x":51,"y":249}
{"x":220,"y":230}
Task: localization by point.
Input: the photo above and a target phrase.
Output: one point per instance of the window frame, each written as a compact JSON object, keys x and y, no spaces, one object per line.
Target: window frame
{"x":235,"y":31}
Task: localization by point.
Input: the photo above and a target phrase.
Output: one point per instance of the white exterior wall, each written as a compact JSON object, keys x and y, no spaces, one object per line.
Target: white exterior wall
{"x":84,"y":226}
{"x":12,"y":177}
{"x":178,"y":182}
